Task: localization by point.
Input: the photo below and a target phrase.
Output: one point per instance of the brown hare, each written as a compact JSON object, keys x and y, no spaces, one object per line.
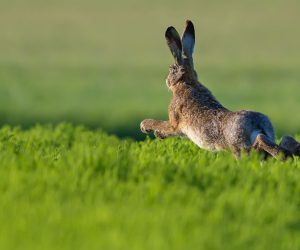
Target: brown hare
{"x":194,"y":112}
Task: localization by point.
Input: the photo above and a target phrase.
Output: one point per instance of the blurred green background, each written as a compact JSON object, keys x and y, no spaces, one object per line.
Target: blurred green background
{"x":104,"y":63}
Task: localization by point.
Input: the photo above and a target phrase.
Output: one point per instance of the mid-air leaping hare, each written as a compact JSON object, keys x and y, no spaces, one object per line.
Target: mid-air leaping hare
{"x":194,"y":112}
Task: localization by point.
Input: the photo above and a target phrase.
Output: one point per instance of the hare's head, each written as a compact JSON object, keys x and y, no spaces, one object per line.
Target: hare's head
{"x":182,"y":71}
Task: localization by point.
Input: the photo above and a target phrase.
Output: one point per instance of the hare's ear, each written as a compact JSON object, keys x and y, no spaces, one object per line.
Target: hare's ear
{"x":188,"y":42}
{"x":174,"y":43}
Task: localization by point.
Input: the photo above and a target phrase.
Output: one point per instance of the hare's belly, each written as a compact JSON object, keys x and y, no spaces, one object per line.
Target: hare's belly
{"x":202,"y":140}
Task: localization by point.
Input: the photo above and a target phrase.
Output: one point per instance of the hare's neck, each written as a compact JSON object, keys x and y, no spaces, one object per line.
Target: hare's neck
{"x":198,"y":93}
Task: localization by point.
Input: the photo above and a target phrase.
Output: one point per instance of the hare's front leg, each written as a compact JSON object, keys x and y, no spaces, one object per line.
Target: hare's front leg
{"x":161,"y":129}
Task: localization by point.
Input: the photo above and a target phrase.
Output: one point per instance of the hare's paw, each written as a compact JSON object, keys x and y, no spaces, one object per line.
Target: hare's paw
{"x":146,"y":126}
{"x":286,"y":154}
{"x":290,"y":144}
{"x":159,"y":134}
{"x":297,"y":151}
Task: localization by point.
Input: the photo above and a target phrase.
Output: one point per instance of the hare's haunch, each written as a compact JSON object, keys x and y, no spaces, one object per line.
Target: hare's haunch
{"x":194,"y":112}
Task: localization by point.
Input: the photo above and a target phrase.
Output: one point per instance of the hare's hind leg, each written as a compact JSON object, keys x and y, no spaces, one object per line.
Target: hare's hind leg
{"x":290,"y":144}
{"x":161,"y":129}
{"x":262,"y":143}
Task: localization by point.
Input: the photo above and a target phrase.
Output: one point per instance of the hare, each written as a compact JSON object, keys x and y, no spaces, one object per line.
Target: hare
{"x":195,"y":113}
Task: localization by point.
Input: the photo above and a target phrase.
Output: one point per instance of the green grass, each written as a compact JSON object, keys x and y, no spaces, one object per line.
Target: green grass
{"x":67,"y":187}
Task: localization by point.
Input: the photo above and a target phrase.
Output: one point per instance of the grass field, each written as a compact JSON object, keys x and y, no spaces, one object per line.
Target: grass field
{"x":71,"y":188}
{"x":102,"y":65}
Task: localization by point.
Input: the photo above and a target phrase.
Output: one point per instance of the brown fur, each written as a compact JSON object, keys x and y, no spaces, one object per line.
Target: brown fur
{"x":194,"y":112}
